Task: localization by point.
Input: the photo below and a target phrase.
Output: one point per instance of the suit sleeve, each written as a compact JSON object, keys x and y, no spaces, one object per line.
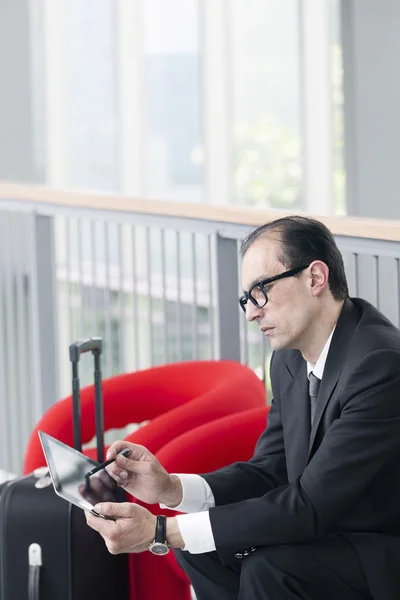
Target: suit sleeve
{"x":354,"y":449}
{"x":264,"y":472}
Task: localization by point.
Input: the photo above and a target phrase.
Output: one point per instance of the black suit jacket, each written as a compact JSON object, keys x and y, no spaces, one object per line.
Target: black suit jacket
{"x":343,"y":476}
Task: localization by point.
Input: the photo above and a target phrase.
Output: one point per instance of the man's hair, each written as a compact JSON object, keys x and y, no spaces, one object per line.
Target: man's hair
{"x":303,"y":240}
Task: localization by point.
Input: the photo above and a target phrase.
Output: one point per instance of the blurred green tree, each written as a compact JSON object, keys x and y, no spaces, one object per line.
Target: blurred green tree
{"x":267,"y":156}
{"x":267,"y":167}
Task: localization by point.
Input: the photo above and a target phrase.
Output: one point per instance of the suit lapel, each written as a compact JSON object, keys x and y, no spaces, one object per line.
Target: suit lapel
{"x":343,"y":333}
{"x":297,"y":417}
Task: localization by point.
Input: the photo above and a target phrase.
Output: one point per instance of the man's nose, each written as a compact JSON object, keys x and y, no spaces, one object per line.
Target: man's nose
{"x":253,"y":312}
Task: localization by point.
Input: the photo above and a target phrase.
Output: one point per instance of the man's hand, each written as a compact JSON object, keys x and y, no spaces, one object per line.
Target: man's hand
{"x":142,"y":475}
{"x":132,"y":530}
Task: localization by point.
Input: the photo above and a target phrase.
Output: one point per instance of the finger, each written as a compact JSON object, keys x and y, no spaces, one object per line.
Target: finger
{"x":119,"y":475}
{"x":122,"y":483}
{"x":129,"y":465}
{"x":134,"y":463}
{"x":116,"y":447}
{"x":122,"y":468}
{"x":90,"y":519}
{"x":118,"y":510}
{"x":98,"y":524}
{"x":136,"y":450}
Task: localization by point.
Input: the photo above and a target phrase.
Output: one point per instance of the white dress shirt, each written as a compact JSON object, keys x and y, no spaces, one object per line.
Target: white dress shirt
{"x":195,"y":526}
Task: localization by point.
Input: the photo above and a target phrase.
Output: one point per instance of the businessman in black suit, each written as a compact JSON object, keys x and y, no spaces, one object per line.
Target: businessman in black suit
{"x":315,"y":514}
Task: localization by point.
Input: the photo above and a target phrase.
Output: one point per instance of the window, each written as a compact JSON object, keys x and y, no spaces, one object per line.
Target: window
{"x":172,"y":99}
{"x":266,"y":99}
{"x":90,"y":104}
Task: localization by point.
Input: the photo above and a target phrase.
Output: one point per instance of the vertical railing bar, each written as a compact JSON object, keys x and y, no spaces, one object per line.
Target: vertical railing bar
{"x":20,"y":398}
{"x":228,"y":285}
{"x":68,"y":279}
{"x":11,"y":345}
{"x":245,"y":330}
{"x":81,"y":277}
{"x":375,"y":259}
{"x":164,"y":297}
{"x":23,"y":362}
{"x":244,"y":327}
{"x":95,"y":312}
{"x":178,"y":294}
{"x":135,"y":301}
{"x":211,"y":297}
{"x":36,"y":394}
{"x":150,"y":297}
{"x":121,"y":301}
{"x":29,"y":339}
{"x":107,"y":312}
{"x":5,"y":442}
{"x":45,"y":355}
{"x":195,"y":351}
{"x":33,"y":347}
{"x":57,"y":261}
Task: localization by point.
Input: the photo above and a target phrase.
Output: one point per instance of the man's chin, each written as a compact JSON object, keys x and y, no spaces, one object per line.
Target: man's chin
{"x":275,"y":345}
{"x":278,"y":344}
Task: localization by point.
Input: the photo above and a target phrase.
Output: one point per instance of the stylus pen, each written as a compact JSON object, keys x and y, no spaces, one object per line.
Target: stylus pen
{"x":124,"y":452}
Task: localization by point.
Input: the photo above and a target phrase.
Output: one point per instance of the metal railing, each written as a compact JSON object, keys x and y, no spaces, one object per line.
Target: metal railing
{"x":157,"y":286}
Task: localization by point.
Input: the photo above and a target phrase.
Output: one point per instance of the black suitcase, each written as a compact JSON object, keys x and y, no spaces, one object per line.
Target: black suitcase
{"x":47,"y":550}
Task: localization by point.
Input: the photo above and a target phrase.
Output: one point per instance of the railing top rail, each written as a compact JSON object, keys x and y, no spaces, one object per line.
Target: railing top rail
{"x":378,"y":229}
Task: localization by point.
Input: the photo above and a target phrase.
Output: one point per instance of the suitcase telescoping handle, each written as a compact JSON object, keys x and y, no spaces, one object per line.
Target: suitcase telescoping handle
{"x":95,"y":346}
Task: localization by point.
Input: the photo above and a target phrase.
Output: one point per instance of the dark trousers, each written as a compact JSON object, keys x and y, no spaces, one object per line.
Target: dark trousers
{"x":327,"y":569}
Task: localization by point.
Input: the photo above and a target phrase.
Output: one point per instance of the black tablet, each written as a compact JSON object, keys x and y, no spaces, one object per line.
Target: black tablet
{"x":69,"y":473}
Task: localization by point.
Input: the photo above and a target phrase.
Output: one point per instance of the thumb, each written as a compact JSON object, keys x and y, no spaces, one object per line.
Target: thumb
{"x":115,"y":509}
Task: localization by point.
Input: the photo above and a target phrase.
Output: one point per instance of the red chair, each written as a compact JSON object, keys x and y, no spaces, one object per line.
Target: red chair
{"x":206,"y":448}
{"x":174,"y":398}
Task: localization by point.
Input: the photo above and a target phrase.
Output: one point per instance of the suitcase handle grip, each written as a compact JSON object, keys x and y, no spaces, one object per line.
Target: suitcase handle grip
{"x":81,"y":346}
{"x":94,"y":345}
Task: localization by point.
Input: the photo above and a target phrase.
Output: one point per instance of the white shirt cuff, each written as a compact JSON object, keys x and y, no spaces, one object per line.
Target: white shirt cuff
{"x":196,"y":532}
{"x":197,"y":494}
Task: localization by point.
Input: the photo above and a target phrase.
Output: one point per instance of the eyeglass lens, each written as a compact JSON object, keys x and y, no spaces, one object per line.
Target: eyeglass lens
{"x":259,"y":296}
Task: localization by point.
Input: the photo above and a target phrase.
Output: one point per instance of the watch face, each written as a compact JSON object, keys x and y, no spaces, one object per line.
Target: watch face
{"x":159,"y":548}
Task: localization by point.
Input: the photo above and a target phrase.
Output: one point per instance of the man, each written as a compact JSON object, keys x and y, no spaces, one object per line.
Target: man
{"x":316,"y":512}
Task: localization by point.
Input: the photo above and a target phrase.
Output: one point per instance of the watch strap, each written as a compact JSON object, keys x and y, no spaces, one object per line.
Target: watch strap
{"x":161,"y":529}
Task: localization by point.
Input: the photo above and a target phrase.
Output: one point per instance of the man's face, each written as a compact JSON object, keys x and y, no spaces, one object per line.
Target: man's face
{"x":287,"y":317}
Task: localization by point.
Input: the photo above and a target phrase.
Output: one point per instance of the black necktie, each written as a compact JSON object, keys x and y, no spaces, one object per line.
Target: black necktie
{"x":314,"y":384}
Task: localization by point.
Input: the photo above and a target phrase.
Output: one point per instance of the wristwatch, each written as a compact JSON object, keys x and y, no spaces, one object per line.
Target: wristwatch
{"x":160,"y":545}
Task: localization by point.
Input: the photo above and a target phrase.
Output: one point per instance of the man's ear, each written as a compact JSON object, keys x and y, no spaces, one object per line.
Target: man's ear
{"x":319,"y":272}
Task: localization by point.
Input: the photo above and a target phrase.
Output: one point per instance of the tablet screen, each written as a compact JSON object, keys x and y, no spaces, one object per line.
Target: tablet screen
{"x":68,"y":469}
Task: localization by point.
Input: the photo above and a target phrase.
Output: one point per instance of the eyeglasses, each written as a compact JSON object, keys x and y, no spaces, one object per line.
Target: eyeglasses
{"x":257,"y":294}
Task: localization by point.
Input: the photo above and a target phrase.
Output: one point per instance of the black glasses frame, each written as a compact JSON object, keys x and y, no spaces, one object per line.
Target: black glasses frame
{"x":262,"y":285}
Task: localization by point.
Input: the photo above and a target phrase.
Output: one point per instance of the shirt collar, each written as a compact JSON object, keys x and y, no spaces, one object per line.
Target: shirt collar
{"x":319,"y":366}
